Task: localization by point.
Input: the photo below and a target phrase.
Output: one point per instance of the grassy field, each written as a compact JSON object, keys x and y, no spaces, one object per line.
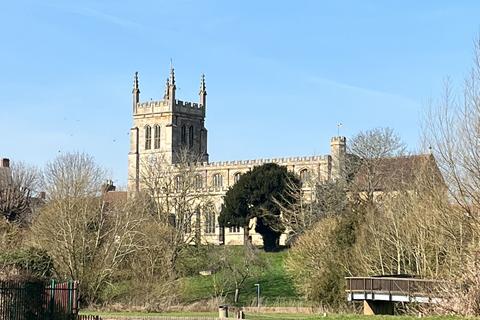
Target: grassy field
{"x":264,"y":316}
{"x":281,"y":316}
{"x":275,"y":285}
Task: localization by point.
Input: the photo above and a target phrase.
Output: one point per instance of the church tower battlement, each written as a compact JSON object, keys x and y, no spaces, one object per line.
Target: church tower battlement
{"x":165,"y":127}
{"x":338,"y":152}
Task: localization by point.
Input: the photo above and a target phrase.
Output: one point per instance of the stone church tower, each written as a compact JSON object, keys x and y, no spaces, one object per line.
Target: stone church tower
{"x":164,"y":127}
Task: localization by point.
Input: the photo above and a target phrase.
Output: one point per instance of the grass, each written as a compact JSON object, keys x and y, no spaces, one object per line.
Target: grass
{"x":151,"y":314}
{"x":281,"y":316}
{"x":276,"y":288}
{"x":286,"y":316}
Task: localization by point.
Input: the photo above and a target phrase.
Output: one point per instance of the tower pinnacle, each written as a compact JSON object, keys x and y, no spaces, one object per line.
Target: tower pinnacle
{"x":203,"y":88}
{"x":135,"y":83}
{"x":172,"y":75}
{"x":167,"y":87}
{"x":171,"y":85}
{"x":135,"y":91}
{"x":203,"y":91}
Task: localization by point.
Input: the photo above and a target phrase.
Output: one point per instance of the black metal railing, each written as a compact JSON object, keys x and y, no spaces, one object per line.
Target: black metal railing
{"x":24,"y":300}
{"x":391,"y":285}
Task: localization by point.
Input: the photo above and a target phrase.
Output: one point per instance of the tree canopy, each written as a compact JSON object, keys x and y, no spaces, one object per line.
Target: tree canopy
{"x":257,"y":194}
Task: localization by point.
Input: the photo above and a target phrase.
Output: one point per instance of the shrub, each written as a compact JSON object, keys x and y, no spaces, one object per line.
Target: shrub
{"x":31,"y":261}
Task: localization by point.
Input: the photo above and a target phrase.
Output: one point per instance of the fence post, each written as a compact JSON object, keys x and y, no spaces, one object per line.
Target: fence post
{"x":364,"y":288}
{"x":70,"y":295}
{"x":52,"y":297}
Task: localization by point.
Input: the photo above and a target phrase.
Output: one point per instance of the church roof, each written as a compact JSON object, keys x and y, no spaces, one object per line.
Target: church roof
{"x":393,"y":172}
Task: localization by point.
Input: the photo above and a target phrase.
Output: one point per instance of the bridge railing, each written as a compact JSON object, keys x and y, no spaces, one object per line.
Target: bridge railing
{"x":391,"y":285}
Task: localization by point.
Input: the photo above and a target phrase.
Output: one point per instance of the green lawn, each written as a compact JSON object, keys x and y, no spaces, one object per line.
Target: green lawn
{"x":275,"y":286}
{"x":281,"y":316}
{"x":151,"y":314}
{"x":264,"y":316}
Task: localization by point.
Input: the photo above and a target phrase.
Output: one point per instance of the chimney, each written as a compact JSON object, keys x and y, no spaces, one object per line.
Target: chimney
{"x":42,"y":195}
{"x":108,"y":186}
{"x":5,"y":163}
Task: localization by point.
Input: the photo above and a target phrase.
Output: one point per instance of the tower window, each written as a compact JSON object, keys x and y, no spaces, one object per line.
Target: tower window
{"x":178,"y":183}
{"x":188,"y":224}
{"x":304,"y":176}
{"x":156,"y":141}
{"x":210,"y":222}
{"x":148,"y":137}
{"x":236,"y":177}
{"x":217,"y":181}
{"x":184,"y":135}
{"x":190,"y":137}
{"x":198,"y":182}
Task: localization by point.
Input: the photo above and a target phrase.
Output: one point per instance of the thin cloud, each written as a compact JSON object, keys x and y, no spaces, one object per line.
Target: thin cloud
{"x":99,"y":15}
{"x":362,"y":90}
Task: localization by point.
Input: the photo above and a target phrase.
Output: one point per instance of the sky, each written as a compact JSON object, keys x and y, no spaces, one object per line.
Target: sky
{"x":280,"y":74}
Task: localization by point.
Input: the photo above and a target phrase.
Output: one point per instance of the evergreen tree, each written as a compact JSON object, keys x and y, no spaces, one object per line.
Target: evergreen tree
{"x":257,"y":194}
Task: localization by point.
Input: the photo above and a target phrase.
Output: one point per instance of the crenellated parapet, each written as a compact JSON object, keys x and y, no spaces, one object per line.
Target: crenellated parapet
{"x":259,"y":162}
{"x":169,"y":103}
{"x":149,"y":107}
{"x":168,"y":126}
{"x":339,"y":140}
{"x":161,"y":106}
{"x":188,"y":108}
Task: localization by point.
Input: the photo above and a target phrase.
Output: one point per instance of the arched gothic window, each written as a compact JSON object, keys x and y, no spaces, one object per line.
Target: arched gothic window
{"x":184,"y":135}
{"x":156,"y":133}
{"x":210,"y":222}
{"x":148,"y":137}
{"x":190,"y":137}
{"x":217,"y":180}
{"x":172,"y":220}
{"x":236,"y":177}
{"x":304,"y":176}
{"x":188,"y":224}
{"x":178,"y":183}
{"x":198,"y":182}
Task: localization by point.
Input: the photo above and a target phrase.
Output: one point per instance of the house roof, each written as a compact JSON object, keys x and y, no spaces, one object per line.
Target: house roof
{"x":113,"y":197}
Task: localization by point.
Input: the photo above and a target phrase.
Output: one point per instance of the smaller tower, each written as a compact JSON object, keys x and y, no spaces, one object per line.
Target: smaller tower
{"x":203,"y":92}
{"x":135,"y":92}
{"x":338,"y":152}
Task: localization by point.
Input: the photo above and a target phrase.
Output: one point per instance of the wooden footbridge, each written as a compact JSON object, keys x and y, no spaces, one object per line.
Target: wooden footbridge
{"x":380,"y":293}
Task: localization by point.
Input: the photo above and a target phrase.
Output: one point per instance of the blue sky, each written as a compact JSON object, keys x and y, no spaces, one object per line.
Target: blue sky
{"x":280,"y":74}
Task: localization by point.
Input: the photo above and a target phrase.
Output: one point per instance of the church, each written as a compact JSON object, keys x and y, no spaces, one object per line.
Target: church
{"x":165,"y":127}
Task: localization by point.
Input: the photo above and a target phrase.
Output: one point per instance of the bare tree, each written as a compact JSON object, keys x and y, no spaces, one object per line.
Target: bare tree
{"x":177,"y":198}
{"x":315,"y":200}
{"x":87,"y":241}
{"x":367,"y":165}
{"x":452,"y":131}
{"x":414,"y":230}
{"x":368,"y":171}
{"x":17,"y":186}
{"x":235,"y":269}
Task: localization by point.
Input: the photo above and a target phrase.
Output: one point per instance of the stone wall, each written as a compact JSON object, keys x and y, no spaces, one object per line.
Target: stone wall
{"x":171,"y":115}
